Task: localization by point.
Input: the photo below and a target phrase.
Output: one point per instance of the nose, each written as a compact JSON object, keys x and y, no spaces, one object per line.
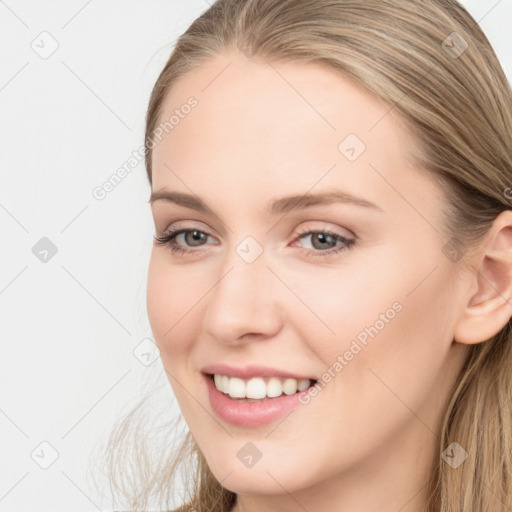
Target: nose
{"x":243,"y":304}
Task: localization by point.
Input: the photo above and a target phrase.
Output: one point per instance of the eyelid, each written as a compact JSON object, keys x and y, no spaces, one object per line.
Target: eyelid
{"x":299,"y":232}
{"x":184,"y":224}
{"x":347,"y":242}
{"x":328,"y":226}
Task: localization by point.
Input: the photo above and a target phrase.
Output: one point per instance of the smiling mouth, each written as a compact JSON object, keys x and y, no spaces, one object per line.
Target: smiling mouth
{"x":258,"y":389}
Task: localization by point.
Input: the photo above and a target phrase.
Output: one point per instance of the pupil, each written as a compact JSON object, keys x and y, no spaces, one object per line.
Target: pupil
{"x":322,"y":238}
{"x":196,"y":235}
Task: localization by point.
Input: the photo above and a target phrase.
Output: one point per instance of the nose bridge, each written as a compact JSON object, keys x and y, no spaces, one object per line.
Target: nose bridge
{"x":243,"y":299}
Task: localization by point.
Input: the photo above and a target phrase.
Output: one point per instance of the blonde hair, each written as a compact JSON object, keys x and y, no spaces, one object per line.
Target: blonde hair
{"x":458,"y":104}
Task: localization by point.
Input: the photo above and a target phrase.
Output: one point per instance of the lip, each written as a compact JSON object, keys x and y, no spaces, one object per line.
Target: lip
{"x":250,"y":414}
{"x":247,"y":372}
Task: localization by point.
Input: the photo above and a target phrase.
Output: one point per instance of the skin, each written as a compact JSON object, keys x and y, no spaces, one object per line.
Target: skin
{"x":369,"y":439}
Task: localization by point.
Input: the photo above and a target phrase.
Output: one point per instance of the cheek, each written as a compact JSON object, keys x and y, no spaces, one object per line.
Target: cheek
{"x":337,"y":304}
{"x":170,"y":304}
{"x":391,"y":316}
{"x":405,"y":349}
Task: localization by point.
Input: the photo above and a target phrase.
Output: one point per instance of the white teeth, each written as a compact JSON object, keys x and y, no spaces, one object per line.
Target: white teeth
{"x":290,"y":386}
{"x":303,"y":384}
{"x":236,"y":388}
{"x":224,"y":384}
{"x":258,"y":388}
{"x":274,"y":387}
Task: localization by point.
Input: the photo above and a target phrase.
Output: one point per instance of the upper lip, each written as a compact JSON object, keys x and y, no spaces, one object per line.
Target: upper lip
{"x":249,"y":371}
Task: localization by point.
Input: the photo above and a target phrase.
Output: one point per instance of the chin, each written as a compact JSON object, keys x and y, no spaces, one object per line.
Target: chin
{"x":260,"y":483}
{"x":266,"y":478}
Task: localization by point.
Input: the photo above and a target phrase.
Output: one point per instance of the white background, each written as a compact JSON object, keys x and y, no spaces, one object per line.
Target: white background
{"x":69,"y":326}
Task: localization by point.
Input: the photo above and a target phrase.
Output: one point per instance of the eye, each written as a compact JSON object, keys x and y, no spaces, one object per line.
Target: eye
{"x":194,"y":237}
{"x":323,"y":242}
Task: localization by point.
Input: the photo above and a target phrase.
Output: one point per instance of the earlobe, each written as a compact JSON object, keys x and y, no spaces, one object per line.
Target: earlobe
{"x":489,"y":308}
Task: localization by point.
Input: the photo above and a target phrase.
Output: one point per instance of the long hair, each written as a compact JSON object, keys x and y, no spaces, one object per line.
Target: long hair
{"x":433,"y":65}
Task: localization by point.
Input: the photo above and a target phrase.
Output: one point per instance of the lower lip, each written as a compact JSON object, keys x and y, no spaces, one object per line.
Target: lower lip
{"x":250,"y":414}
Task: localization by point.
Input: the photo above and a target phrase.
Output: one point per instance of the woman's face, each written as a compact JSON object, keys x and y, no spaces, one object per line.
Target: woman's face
{"x":315,"y":251}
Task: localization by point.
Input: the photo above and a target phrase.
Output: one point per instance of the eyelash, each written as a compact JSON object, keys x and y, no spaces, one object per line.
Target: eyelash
{"x":168,"y":237}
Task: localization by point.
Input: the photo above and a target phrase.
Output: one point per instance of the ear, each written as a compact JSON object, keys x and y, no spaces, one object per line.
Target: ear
{"x":489,"y":308}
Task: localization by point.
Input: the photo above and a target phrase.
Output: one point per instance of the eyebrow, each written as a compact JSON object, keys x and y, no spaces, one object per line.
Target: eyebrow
{"x":283,"y":205}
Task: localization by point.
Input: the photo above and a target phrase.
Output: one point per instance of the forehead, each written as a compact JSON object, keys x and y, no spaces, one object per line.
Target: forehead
{"x":287,"y":123}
